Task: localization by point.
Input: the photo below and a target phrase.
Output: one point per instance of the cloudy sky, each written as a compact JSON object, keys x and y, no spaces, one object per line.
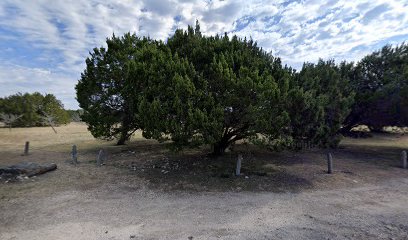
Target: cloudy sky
{"x":43,"y":44}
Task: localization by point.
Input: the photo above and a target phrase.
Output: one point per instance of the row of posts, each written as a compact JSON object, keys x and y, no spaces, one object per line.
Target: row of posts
{"x":101,"y":158}
{"x":404,"y":163}
{"x":330,"y":161}
{"x":74,"y":154}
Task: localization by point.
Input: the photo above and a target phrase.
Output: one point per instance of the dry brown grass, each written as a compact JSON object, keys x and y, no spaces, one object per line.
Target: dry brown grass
{"x":44,"y":138}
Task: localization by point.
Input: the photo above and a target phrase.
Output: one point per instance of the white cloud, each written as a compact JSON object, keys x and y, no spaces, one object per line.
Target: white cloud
{"x":15,"y":78}
{"x":64,"y":32}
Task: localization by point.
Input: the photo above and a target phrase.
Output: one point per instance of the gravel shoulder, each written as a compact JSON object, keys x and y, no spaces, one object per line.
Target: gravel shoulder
{"x":111,"y":212}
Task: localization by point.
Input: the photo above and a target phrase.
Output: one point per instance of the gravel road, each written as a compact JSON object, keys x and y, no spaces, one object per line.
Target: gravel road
{"x":110,"y":212}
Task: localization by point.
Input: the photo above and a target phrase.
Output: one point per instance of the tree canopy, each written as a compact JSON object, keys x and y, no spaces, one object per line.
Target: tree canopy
{"x":112,"y":85}
{"x":209,"y":90}
{"x":320,"y":102}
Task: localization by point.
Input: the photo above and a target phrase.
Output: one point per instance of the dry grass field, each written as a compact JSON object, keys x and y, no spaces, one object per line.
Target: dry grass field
{"x":146,"y":192}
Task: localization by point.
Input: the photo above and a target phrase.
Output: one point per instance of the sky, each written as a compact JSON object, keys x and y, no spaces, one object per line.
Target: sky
{"x":44,"y":43}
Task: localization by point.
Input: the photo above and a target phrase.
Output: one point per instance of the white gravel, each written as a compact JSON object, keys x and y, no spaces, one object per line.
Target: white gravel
{"x":110,"y":212}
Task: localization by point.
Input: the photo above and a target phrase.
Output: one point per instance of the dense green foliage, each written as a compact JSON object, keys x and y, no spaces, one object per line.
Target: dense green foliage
{"x":231,"y":95}
{"x":380,"y":81}
{"x":196,"y":90}
{"x":33,"y":110}
{"x":320,"y":102}
{"x":111,"y":87}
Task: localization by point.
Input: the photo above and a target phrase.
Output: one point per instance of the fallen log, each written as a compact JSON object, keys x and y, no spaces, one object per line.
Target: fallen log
{"x":28,"y":169}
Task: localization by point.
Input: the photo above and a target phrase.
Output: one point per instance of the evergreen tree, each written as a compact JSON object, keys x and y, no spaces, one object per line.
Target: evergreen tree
{"x":108,"y":88}
{"x":320,"y":102}
{"x":242,"y":88}
{"x":197,"y":90}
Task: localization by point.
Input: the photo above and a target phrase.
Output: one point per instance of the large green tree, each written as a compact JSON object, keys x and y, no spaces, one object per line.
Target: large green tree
{"x":107,"y":87}
{"x":122,"y":80}
{"x":241,"y":89}
{"x":207,"y":90}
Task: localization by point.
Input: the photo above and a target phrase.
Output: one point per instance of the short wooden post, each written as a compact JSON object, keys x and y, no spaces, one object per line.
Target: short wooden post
{"x":404,"y":159}
{"x":26,"y":148}
{"x":238,"y":169}
{"x":74,"y":154}
{"x":100,"y":158}
{"x":329,"y":163}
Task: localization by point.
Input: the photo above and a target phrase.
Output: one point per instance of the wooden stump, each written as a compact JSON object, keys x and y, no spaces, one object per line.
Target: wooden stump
{"x":100,"y":158}
{"x":238,"y":169}
{"x":329,"y":163}
{"x":26,"y":148}
{"x":404,"y":159}
{"x":74,"y":154}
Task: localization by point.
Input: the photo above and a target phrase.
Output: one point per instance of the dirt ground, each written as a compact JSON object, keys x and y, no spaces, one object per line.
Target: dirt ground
{"x":146,"y":192}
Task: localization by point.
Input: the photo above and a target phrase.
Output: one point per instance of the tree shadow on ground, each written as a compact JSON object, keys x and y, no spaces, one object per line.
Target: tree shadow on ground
{"x":374,"y":151}
{"x":262,"y":170}
{"x":195,"y":170}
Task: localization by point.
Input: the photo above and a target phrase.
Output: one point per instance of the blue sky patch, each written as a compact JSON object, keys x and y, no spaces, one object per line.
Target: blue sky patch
{"x":44,"y":44}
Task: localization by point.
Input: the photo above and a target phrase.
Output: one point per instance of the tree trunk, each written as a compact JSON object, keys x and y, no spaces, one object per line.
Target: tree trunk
{"x":124,"y":131}
{"x":346,"y":130}
{"x":123,"y":138}
{"x":219,"y":148}
{"x":376,"y":129}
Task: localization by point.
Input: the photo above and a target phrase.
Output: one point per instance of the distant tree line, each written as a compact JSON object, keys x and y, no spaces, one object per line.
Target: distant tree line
{"x":195,"y":90}
{"x":31,"y":110}
{"x":75,"y":115}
